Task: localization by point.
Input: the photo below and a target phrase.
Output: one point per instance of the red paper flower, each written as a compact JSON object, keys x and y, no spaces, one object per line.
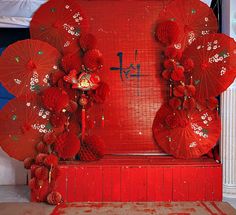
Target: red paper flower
{"x":168,"y":64}
{"x":167,"y":32}
{"x":189,"y":104}
{"x":40,"y":158}
{"x":172,"y":121}
{"x":51,"y":160}
{"x":54,"y":198}
{"x":188,"y":64}
{"x":41,"y":173}
{"x":49,"y":138}
{"x":55,"y":99}
{"x":72,"y":61}
{"x":87,"y":42}
{"x":99,"y":95}
{"x":67,"y":145}
{"x":92,"y":148}
{"x":179,"y":91}
{"x":190,"y":90}
{"x":28,"y":162}
{"x":42,"y":148}
{"x":58,"y":119}
{"x":212,"y":103}
{"x":175,"y":103}
{"x":93,"y":60}
{"x":55,"y":77}
{"x":178,"y":74}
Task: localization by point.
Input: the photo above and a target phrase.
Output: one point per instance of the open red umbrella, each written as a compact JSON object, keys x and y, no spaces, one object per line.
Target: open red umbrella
{"x":193,"y":17}
{"x":59,"y":23}
{"x":23,"y":123}
{"x":25,"y":66}
{"x":214,"y":64}
{"x":186,"y":134}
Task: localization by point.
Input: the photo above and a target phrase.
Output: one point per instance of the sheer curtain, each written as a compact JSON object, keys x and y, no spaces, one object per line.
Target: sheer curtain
{"x":17,"y":13}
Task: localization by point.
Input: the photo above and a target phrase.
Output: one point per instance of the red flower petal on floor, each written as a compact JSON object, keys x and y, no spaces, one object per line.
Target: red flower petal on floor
{"x":42,"y":147}
{"x":40,"y":158}
{"x":55,"y":77}
{"x":92,"y":148}
{"x":175,"y":103}
{"x":41,"y":173}
{"x":93,"y":60}
{"x":167,"y":32}
{"x":87,"y":42}
{"x":67,"y":145}
{"x":55,"y":99}
{"x":58,"y":119}
{"x":54,"y":198}
{"x":72,"y":61}
{"x":178,"y":74}
{"x":51,"y":160}
{"x":28,"y":162}
{"x":179,"y":91}
{"x":189,"y":104}
{"x":49,"y":138}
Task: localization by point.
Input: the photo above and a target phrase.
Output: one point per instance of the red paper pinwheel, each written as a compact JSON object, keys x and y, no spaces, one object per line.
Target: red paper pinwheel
{"x":23,"y":125}
{"x":193,"y":17}
{"x":186,"y":134}
{"x":59,"y":23}
{"x":214,"y":70}
{"x":25,"y":66}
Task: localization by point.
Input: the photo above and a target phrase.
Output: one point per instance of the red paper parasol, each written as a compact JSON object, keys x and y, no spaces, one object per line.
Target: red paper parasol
{"x":25,"y":66}
{"x":23,"y":123}
{"x":59,"y":23}
{"x":193,"y":17}
{"x":185,"y":134}
{"x":214,"y":65}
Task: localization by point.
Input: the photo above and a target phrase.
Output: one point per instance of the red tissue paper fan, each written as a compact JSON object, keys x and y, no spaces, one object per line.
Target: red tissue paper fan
{"x":59,"y":23}
{"x":23,"y":123}
{"x":214,"y":64}
{"x":186,"y":134}
{"x":25,"y":66}
{"x":193,"y":17}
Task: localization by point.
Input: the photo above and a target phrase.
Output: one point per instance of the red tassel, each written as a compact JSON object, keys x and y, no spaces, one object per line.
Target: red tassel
{"x":103,"y":121}
{"x":83,"y":122}
{"x":191,"y":80}
{"x":171,"y":90}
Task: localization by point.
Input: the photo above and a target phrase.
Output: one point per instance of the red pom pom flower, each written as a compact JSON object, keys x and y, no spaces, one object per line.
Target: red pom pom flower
{"x":40,"y":158}
{"x":55,"y":99}
{"x":67,"y":145}
{"x":167,"y":32}
{"x":93,"y":60}
{"x":87,"y":42}
{"x":42,"y":147}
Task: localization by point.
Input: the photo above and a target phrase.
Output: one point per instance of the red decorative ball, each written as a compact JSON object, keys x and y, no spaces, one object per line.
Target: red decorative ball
{"x":51,"y":160}
{"x":166,"y":74}
{"x":188,"y":64}
{"x":190,"y":90}
{"x":87,"y":42}
{"x":169,"y":64}
{"x":42,"y":147}
{"x":33,"y":168}
{"x":41,"y":173}
{"x":58,"y":119}
{"x":93,"y":60}
{"x":49,"y":138}
{"x":55,"y":99}
{"x":83,"y":100}
{"x":178,"y":74}
{"x":179,"y":91}
{"x":72,"y":61}
{"x":28,"y":162}
{"x":54,"y":198}
{"x":168,"y":32}
{"x":189,"y":104}
{"x":42,"y":192}
{"x":92,"y":148}
{"x":175,"y":103}
{"x":40,"y":158}
{"x":67,"y":145}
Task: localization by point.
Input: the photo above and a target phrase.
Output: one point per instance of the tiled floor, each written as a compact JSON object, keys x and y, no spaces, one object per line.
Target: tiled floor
{"x":21,"y":194}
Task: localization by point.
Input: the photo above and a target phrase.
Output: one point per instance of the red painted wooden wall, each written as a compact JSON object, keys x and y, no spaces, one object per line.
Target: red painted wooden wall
{"x":141,"y":179}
